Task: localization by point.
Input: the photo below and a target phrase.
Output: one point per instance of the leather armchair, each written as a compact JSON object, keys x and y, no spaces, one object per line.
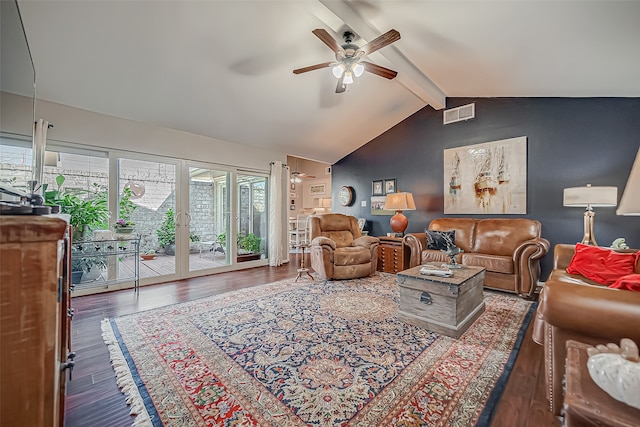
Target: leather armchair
{"x":338,"y":248}
{"x":572,"y":307}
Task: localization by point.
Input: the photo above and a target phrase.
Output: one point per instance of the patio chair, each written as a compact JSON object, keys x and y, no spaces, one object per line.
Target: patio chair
{"x":211,"y":243}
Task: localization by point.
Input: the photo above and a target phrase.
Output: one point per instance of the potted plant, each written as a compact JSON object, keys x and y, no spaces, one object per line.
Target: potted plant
{"x":148,"y":255}
{"x":248,"y":247}
{"x":123,"y":226}
{"x":81,"y":266}
{"x":88,"y":210}
{"x":167,"y":233}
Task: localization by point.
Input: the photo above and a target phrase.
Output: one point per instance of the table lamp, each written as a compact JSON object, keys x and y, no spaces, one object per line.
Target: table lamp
{"x":630,"y":201}
{"x":589,"y":197}
{"x":399,"y":202}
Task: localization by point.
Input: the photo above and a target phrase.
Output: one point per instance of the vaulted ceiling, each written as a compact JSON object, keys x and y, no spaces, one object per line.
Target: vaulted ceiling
{"x":223,"y":69}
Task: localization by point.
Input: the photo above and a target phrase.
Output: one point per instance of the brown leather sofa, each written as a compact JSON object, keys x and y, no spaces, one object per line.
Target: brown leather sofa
{"x":338,"y":248}
{"x":509,"y":249}
{"x":572,"y":307}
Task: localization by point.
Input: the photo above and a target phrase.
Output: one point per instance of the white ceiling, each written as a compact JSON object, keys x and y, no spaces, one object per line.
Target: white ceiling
{"x":223,"y":69}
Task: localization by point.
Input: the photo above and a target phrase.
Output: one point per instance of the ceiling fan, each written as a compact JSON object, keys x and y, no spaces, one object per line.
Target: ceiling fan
{"x":349,"y":56}
{"x":297,"y":176}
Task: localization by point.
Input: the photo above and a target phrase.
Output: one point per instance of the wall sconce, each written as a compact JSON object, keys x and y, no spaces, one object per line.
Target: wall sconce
{"x":589,"y":197}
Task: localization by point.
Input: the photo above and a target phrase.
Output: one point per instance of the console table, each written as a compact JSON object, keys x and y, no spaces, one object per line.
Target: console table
{"x":586,"y":404}
{"x":110,"y":250}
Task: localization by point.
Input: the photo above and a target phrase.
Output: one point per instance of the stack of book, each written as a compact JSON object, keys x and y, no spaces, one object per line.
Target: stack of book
{"x":441,"y":270}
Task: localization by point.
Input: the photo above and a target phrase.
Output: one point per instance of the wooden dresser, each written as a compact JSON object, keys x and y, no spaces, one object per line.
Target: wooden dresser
{"x":34,"y":320}
{"x":391,"y":255}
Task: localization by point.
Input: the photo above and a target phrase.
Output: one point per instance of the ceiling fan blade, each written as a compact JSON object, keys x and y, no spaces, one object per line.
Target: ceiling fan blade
{"x":380,"y":42}
{"x":378,"y":70}
{"x":341,"y":87}
{"x":312,"y":67}
{"x":326,"y":38}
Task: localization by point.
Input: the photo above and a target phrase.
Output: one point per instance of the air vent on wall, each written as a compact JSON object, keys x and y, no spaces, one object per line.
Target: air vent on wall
{"x":458,"y":114}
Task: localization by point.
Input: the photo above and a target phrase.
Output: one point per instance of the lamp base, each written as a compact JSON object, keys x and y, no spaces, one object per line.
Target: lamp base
{"x":588,"y":238}
{"x":399,"y":222}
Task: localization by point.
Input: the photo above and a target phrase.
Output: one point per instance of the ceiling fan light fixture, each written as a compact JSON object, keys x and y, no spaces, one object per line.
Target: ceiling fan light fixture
{"x":338,"y":70}
{"x":348,"y":78}
{"x":358,"y":69}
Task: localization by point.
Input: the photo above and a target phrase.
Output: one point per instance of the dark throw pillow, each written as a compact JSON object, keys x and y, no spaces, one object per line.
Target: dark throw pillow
{"x":440,"y":240}
{"x":602,"y":265}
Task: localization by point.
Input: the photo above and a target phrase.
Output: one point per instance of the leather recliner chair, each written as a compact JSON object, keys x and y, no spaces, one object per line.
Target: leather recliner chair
{"x":338,"y":248}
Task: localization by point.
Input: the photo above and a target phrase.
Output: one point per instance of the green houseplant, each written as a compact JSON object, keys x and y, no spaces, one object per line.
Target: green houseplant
{"x":167,"y":233}
{"x":248,"y":246}
{"x":88,"y":209}
{"x":81,"y":265}
{"x":249,"y":243}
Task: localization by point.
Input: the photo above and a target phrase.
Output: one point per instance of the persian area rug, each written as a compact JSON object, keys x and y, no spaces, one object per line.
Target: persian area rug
{"x":312,"y":354}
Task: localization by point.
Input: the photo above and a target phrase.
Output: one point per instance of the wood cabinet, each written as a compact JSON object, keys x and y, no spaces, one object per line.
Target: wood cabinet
{"x":585,"y":403}
{"x":391,"y":255}
{"x":34,"y":320}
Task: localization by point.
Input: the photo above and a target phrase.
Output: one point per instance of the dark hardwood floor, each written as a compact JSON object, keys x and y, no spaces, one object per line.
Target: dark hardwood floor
{"x":93,"y":398}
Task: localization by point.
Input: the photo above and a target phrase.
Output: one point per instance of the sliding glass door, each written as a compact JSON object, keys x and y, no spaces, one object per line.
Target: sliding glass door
{"x":147,"y":198}
{"x":192,"y":218}
{"x":208,"y":218}
{"x":252,"y":217}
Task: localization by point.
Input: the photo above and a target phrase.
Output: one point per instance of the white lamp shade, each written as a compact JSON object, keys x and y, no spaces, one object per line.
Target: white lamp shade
{"x":590,"y":196}
{"x":338,"y":70}
{"x":358,"y":69}
{"x":399,"y":202}
{"x":630,"y":201}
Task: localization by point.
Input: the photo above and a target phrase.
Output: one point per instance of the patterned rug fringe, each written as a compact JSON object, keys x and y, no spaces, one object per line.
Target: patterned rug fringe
{"x":125,"y":380}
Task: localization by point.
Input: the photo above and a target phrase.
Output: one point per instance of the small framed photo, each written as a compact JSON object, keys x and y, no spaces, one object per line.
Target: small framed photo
{"x":292,"y":195}
{"x":389,"y":186}
{"x":292,"y":207}
{"x":377,"y":188}
{"x":293,"y":186}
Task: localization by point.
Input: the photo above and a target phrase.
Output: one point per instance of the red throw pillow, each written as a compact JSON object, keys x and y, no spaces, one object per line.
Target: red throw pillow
{"x":630,"y":282}
{"x":602,"y":265}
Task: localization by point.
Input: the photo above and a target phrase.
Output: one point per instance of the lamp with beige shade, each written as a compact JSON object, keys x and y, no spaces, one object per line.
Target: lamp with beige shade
{"x":399,"y":202}
{"x":589,"y":197}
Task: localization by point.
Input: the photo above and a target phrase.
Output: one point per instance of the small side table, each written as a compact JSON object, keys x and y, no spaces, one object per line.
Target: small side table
{"x":391,"y":256}
{"x":302,"y":270}
{"x":585,"y":403}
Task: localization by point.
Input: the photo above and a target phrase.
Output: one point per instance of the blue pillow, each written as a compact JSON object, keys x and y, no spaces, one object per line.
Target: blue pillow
{"x":440,"y":240}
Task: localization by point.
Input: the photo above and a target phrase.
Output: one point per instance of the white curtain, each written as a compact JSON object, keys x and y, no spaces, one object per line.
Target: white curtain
{"x":39,"y":143}
{"x":278,"y":192}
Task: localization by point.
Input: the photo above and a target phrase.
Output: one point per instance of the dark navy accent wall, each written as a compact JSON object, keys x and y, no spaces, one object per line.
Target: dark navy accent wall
{"x":570,"y":142}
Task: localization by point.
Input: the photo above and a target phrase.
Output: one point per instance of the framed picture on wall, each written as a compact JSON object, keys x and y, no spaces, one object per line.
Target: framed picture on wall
{"x":377,"y":188}
{"x":317,"y":189}
{"x":488,"y":178}
{"x":293,"y":186}
{"x":389,"y":186}
{"x":292,"y":207}
{"x":377,"y":206}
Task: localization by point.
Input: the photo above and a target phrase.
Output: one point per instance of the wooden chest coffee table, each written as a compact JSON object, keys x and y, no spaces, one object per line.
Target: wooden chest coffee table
{"x":447,"y":305}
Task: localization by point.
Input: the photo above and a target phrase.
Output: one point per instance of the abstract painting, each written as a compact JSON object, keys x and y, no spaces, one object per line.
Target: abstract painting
{"x":488,"y":178}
